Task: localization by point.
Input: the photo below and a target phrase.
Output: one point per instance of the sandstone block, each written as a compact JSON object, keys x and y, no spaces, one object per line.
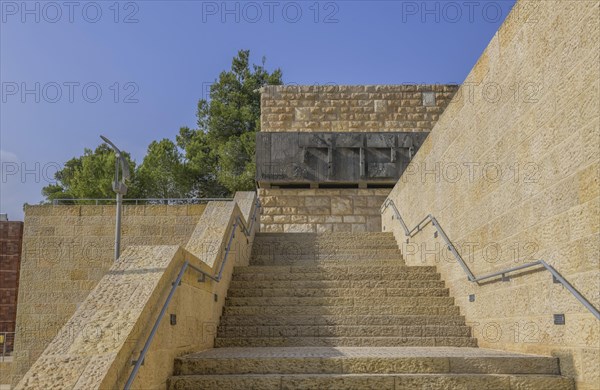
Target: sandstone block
{"x":341,"y":205}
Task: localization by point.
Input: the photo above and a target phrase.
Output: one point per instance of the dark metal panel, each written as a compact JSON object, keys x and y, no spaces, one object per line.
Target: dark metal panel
{"x":347,"y":168}
{"x":381,"y":140}
{"x":314,"y":140}
{"x":263,"y":155}
{"x":334,"y":157}
{"x":349,"y":140}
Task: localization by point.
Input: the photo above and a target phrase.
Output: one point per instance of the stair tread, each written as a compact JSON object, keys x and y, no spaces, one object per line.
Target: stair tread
{"x":341,"y":319}
{"x":371,"y":381}
{"x":339,"y":301}
{"x":339,"y":341}
{"x":336,"y":292}
{"x":330,"y":268}
{"x":398,"y":275}
{"x":358,"y":284}
{"x":383,"y":352}
{"x":437,"y":326}
{"x":341,"y":310}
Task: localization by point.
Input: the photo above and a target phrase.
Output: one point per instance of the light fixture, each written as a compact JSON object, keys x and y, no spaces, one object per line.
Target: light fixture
{"x":120,"y":188}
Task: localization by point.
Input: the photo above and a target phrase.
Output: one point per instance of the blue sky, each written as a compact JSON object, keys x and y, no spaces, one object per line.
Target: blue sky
{"x":134,"y":70}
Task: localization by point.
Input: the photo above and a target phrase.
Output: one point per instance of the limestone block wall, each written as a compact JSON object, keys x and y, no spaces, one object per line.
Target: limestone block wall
{"x":321,"y":210}
{"x":67,"y":250}
{"x":513,"y":177}
{"x":351,"y":108}
{"x":5,"y":369}
{"x":359,"y":108}
{"x":95,"y":348}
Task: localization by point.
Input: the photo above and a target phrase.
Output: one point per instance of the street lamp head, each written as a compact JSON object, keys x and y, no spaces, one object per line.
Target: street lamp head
{"x":119,"y":186}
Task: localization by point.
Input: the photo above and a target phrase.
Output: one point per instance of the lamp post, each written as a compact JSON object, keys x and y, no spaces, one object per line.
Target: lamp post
{"x":120,"y":188}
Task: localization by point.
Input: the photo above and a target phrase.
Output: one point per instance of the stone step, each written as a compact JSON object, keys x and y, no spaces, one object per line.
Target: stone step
{"x":337,"y":292}
{"x":344,"y":331}
{"x":330,"y":250}
{"x":400,"y":275}
{"x":312,"y":252}
{"x":329,"y":274}
{"x":327,"y":262}
{"x":339,"y":310}
{"x":353,"y":258}
{"x":443,"y":341}
{"x":311,"y":247}
{"x":264,"y":250}
{"x":318,"y":260}
{"x":337,"y":269}
{"x":339,"y":301}
{"x":370,"y":381}
{"x":325,"y":235}
{"x":323,"y":241}
{"x":343,"y":320}
{"x":268,"y":247}
{"x":352,"y":360}
{"x":329,"y":284}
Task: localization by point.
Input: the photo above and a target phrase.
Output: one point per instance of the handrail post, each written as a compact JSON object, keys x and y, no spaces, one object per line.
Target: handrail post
{"x":458,"y":257}
{"x":571,"y":289}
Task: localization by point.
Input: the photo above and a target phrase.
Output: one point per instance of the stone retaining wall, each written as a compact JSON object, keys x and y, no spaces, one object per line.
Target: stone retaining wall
{"x":360,"y":108}
{"x":94,"y":349}
{"x":67,"y":250}
{"x":321,"y":210}
{"x":515,"y":178}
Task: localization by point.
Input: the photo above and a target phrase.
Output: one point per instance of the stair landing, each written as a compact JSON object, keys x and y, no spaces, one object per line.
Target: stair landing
{"x":366,"y":368}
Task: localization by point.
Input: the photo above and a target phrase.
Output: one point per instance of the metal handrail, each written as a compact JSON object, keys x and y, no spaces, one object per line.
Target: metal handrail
{"x":472,"y":278}
{"x":4,"y":338}
{"x":247,"y":232}
{"x":136,"y":201}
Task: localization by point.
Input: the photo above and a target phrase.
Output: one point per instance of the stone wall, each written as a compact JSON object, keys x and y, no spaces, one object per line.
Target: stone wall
{"x":321,"y":210}
{"x":95,"y":348}
{"x":68,"y":249}
{"x":5,"y":370}
{"x":359,"y":108}
{"x":351,"y":108}
{"x":11,"y":235}
{"x":511,"y":172}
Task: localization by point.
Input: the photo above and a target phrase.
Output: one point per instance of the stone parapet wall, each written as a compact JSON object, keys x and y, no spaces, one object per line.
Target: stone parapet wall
{"x":68,"y":249}
{"x":321,"y":210}
{"x":95,"y":348}
{"x":357,"y":108}
{"x":515,"y":178}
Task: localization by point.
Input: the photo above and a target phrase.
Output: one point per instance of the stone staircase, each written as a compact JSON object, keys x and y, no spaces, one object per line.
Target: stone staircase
{"x":343,"y":311}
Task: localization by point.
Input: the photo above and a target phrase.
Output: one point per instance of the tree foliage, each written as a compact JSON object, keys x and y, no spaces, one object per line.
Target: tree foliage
{"x":163,"y":174}
{"x":88,"y":176}
{"x":214,"y":160}
{"x":224,"y":142}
